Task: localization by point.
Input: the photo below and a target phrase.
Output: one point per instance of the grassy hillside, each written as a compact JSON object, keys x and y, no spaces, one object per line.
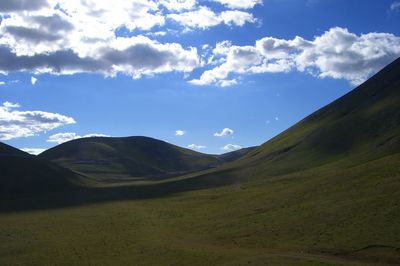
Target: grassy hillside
{"x":360,"y":126}
{"x":130,"y":157}
{"x":324,"y":192}
{"x":235,"y":155}
{"x":6,"y":150}
{"x":133,"y":158}
{"x":24,"y":174}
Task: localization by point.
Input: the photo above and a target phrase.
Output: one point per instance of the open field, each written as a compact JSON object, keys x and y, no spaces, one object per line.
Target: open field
{"x":315,"y":217}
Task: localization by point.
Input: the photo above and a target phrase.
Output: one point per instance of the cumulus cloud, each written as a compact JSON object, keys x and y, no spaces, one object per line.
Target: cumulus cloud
{"x":33,"y":80}
{"x":180,"y":133}
{"x":178,"y":5}
{"x":135,"y":56}
{"x":16,"y":124}
{"x":337,"y":54}
{"x":227,"y":82}
{"x":34,"y":151}
{"x":231,"y":147}
{"x":242,"y":4}
{"x":225,"y":132}
{"x":67,"y":37}
{"x":2,"y":83}
{"x":80,"y":36}
{"x":68,"y":136}
{"x":196,"y":147}
{"x":204,"y":18}
{"x":395,"y":6}
{"x":62,"y":137}
{"x":22,"y":5}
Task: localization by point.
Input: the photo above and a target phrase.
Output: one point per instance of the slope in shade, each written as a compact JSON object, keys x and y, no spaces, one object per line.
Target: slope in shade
{"x":7,"y":150}
{"x":116,"y":158}
{"x":25,"y":174}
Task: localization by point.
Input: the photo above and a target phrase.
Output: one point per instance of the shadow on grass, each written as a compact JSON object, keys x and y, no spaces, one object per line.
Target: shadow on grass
{"x":82,"y":196}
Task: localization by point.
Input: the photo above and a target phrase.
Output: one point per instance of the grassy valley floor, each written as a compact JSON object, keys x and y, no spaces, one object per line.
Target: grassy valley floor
{"x":328,"y":215}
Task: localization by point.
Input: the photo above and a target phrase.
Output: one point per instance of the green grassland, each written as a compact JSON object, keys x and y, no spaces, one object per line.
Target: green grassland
{"x":324,"y":192}
{"x":132,"y":158}
{"x":321,"y":216}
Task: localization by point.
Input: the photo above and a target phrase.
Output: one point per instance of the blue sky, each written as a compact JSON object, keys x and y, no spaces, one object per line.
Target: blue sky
{"x":224,"y":74}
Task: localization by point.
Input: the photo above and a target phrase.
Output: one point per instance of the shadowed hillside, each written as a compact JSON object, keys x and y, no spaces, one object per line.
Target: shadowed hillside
{"x":115,"y":158}
{"x":7,"y":150}
{"x":22,"y":173}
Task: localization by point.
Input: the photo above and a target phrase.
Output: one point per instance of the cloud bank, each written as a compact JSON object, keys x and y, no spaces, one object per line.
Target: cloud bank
{"x":16,"y":124}
{"x":337,"y":54}
{"x":72,"y":36}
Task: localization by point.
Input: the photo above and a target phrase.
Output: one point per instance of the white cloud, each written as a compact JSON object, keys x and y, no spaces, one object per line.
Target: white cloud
{"x":68,"y":136}
{"x":75,"y":36}
{"x":178,"y":5}
{"x":196,"y":147}
{"x":227,"y":82}
{"x":70,"y":37}
{"x":231,"y":147}
{"x":237,"y":18}
{"x":34,"y":151}
{"x":33,"y":80}
{"x":16,"y":124}
{"x":395,"y":6}
{"x":2,"y":83}
{"x":204,"y":18}
{"x":180,"y":132}
{"x":96,"y":135}
{"x":225,"y":132}
{"x":337,"y":54}
{"x":135,"y":56}
{"x":63,"y":137}
{"x":243,"y":4}
{"x":20,"y":5}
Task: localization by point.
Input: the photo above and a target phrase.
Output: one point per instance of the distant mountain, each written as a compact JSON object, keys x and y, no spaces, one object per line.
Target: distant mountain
{"x":128,"y":157}
{"x":22,"y":173}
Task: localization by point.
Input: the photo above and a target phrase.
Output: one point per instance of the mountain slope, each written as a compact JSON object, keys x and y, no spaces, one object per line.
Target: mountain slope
{"x":7,"y":150}
{"x":128,"y":157}
{"x":360,"y":126}
{"x":235,"y":155}
{"x":22,"y":173}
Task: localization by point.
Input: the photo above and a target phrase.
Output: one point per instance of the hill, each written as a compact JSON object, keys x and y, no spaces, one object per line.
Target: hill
{"x":235,"y":155}
{"x":7,"y":150}
{"x":131,"y":157}
{"x":360,"y":126}
{"x":22,"y":173}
